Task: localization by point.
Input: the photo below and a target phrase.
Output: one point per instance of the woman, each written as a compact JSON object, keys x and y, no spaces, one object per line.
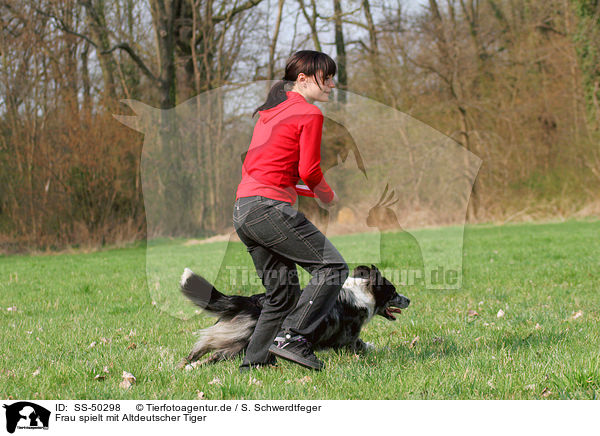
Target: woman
{"x":286,"y":147}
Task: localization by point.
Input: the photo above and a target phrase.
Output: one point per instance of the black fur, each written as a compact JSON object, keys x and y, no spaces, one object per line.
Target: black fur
{"x":202,"y":293}
{"x":237,"y":315}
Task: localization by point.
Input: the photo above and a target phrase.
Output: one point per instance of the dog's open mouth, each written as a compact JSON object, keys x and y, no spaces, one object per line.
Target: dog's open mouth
{"x":388,"y":313}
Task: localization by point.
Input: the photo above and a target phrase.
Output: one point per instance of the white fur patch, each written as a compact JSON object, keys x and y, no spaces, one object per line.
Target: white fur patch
{"x":355,"y":292}
{"x":238,"y":328}
{"x":187,"y":273}
{"x":226,"y":335}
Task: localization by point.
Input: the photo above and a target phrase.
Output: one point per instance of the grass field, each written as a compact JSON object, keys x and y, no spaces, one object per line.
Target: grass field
{"x":544,"y":277}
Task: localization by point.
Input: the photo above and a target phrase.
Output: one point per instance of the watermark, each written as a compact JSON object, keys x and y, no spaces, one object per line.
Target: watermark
{"x":239,"y":276}
{"x":24,"y":415}
{"x":392,"y":173}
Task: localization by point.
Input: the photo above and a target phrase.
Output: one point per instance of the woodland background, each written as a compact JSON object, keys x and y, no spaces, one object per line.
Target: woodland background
{"x":517,"y":82}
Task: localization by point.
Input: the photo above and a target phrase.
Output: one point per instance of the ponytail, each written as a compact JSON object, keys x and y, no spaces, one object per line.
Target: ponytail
{"x":277,"y":95}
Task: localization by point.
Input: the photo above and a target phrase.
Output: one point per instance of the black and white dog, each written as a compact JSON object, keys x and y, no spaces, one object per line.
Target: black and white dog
{"x":365,"y":293}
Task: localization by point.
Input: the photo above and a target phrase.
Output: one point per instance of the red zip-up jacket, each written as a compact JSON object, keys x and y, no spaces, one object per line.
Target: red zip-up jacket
{"x":285,"y":147}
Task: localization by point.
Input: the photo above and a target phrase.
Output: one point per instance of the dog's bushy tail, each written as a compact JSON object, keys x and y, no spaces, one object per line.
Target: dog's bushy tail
{"x":203,"y":294}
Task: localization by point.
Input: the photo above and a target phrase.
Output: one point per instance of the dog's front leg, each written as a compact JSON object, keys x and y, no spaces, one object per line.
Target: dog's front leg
{"x":361,"y":346}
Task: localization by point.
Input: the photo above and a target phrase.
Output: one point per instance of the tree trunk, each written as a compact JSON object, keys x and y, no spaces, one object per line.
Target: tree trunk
{"x":163,"y":18}
{"x":96,"y":21}
{"x":85,"y":79}
{"x":271,"y":72}
{"x":340,"y":48}
{"x":312,"y":22}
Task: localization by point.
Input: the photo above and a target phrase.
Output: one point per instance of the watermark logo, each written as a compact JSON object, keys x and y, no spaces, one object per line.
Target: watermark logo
{"x":24,"y":415}
{"x":392,"y":173}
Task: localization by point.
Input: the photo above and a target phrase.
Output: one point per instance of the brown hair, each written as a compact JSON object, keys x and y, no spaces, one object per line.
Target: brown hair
{"x":309,"y":62}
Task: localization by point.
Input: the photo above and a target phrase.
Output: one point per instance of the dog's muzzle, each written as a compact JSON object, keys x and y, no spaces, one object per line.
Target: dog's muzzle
{"x":395,"y":305}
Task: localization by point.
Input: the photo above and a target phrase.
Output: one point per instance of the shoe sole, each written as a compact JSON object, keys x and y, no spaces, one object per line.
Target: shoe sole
{"x":244,"y":369}
{"x":284,"y":354}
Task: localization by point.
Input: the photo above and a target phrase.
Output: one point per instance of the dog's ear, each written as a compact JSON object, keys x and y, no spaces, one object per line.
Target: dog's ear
{"x":362,"y":272}
{"x":374,"y":275}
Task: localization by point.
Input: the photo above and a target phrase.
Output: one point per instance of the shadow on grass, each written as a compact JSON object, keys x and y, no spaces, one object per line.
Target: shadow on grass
{"x":440,"y":347}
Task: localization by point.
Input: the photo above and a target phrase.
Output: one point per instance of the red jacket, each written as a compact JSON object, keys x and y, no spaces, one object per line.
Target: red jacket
{"x":285,"y":147}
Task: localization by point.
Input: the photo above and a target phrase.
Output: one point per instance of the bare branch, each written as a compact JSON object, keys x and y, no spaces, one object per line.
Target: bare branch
{"x":332,"y":18}
{"x":360,"y":42}
{"x":249,"y":4}
{"x":140,"y":63}
{"x":63,"y":26}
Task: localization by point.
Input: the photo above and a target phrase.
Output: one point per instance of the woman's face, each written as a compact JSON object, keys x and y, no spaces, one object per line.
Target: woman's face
{"x":308,"y":87}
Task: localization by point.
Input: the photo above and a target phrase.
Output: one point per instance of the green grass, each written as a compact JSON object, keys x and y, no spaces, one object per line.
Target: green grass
{"x":538,"y":274}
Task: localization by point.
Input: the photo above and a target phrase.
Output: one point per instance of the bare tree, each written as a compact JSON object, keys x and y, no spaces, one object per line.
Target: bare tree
{"x":340,"y":48}
{"x":273,"y":44}
{"x":311,"y":19}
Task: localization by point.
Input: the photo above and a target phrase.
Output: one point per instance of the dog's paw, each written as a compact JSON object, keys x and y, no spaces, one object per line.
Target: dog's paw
{"x":363,"y":347}
{"x":183,"y":364}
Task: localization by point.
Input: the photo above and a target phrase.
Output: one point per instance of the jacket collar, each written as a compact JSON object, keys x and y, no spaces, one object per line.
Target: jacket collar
{"x":293,"y":97}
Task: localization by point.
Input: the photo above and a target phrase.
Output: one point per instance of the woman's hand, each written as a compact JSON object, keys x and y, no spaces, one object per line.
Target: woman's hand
{"x":334,"y":201}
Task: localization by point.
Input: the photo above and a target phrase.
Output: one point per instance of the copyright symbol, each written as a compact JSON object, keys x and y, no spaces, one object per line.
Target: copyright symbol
{"x":139,"y":407}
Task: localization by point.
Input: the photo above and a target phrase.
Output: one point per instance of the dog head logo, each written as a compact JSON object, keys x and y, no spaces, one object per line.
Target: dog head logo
{"x":26,"y":415}
{"x":397,"y":174}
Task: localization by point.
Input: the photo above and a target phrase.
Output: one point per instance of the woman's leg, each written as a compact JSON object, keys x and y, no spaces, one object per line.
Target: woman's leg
{"x":287,"y":234}
{"x":280,"y":279}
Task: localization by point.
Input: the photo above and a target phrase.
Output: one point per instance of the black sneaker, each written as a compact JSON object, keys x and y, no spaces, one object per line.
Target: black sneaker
{"x":296,"y":349}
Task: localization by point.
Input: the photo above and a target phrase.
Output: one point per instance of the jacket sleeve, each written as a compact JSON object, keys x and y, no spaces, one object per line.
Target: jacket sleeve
{"x":309,"y":166}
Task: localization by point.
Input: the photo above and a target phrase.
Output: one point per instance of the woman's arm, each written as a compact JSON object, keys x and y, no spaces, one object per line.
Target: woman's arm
{"x":309,"y":166}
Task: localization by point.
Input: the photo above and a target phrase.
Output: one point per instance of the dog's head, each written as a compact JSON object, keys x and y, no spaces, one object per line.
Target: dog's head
{"x":387,"y":300}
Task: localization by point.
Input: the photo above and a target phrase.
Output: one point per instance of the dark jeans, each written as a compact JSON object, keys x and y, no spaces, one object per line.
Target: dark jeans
{"x":278,"y":237}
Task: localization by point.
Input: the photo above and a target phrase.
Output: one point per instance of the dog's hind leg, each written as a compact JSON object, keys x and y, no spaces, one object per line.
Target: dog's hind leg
{"x":201,"y":347}
{"x":214,"y":358}
{"x":217,"y":356}
{"x":226,"y":338}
